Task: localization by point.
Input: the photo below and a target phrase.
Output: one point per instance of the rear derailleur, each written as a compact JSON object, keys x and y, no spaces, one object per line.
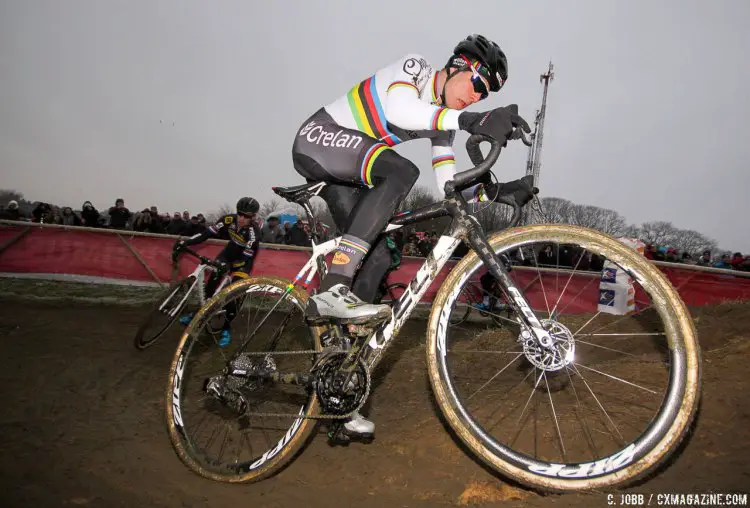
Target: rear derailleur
{"x":245,"y":372}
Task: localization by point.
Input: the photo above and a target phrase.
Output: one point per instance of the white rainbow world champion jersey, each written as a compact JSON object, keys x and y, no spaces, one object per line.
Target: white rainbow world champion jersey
{"x":399,"y":103}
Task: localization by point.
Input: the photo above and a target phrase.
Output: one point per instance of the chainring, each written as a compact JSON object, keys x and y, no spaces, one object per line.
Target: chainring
{"x":334,"y":397}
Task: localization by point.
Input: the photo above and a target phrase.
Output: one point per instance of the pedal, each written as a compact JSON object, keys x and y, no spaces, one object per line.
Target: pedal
{"x":338,"y":435}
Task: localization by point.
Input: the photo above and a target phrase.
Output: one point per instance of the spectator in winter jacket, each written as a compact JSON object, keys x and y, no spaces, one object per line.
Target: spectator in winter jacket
{"x":156,"y":223}
{"x":705,"y":259}
{"x":89,"y":215}
{"x":688,"y":259}
{"x":119,"y":215}
{"x":737,"y":260}
{"x":723,"y":262}
{"x":42,"y":213}
{"x":12,"y":212}
{"x":298,"y":236}
{"x":546,"y":257}
{"x":176,"y":226}
{"x":194,"y":227}
{"x":68,"y":218}
{"x":142,"y":220}
{"x":272,"y":232}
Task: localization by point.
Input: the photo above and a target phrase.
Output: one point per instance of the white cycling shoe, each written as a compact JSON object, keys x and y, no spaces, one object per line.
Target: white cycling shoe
{"x":360,"y":427}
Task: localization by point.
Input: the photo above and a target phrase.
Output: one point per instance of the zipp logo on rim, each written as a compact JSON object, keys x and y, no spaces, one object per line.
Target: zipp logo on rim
{"x":267,"y":288}
{"x":176,"y":382}
{"x":281,"y":443}
{"x":588,"y":469}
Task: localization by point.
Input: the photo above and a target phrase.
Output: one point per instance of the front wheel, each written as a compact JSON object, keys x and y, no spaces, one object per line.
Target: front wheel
{"x":607,"y":401}
{"x":164,"y":312}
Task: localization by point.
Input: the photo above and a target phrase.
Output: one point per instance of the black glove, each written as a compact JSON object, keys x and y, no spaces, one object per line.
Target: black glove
{"x":522,"y":190}
{"x":497,"y":124}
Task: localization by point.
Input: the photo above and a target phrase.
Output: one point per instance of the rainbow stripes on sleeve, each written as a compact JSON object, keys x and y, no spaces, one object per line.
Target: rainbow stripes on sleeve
{"x":442,"y":160}
{"x":368,"y":112}
{"x":437,"y":119}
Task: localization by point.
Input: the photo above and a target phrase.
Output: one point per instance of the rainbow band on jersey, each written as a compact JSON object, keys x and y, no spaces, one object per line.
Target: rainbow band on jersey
{"x":368,"y":112}
{"x":442,"y":160}
{"x":401,"y":84}
{"x":369,"y":160}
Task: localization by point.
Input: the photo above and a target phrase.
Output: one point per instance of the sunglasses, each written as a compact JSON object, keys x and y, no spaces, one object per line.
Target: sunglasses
{"x":246,"y":215}
{"x":476,"y":80}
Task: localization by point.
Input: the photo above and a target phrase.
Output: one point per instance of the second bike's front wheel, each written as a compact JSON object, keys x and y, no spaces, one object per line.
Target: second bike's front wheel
{"x":606,"y":401}
{"x":164,"y":312}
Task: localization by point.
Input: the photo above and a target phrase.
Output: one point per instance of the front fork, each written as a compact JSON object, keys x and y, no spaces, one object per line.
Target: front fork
{"x":472,"y":231}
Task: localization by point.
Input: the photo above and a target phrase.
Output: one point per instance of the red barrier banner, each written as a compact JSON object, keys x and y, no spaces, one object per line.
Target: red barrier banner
{"x":47,"y":250}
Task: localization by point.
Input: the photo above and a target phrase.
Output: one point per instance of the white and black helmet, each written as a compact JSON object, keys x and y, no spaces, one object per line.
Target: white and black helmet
{"x":494,"y":64}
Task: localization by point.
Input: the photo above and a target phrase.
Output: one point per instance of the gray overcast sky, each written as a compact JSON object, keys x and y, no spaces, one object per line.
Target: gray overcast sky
{"x":648,"y":113}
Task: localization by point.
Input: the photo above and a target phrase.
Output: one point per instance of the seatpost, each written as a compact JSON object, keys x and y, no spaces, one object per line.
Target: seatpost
{"x":311,"y":219}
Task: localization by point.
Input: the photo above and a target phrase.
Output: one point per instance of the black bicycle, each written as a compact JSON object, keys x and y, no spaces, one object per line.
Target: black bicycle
{"x":592,"y":381}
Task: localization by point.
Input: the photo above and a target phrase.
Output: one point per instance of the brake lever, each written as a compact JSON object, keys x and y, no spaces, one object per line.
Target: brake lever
{"x":509,"y":199}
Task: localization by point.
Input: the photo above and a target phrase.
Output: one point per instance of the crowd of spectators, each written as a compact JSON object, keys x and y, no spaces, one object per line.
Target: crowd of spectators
{"x":412,"y":243}
{"x":150,"y":220}
{"x":735,"y":261}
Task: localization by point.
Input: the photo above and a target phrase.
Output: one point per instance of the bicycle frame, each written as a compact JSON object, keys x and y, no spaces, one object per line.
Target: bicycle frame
{"x":199,"y":274}
{"x":464,"y":227}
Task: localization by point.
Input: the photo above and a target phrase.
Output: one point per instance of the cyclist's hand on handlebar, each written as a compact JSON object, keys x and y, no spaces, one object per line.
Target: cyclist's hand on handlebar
{"x":501,"y":124}
{"x":177,"y":247}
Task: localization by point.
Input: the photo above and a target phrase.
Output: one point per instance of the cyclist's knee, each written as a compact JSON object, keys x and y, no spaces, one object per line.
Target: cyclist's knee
{"x":395,"y":168}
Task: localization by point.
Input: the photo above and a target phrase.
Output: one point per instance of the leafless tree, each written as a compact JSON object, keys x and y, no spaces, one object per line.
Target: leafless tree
{"x":225,"y":209}
{"x":269,"y":207}
{"x":418,"y":197}
{"x":688,"y":240}
{"x":562,"y":211}
{"x":10,"y":195}
{"x":556,"y":210}
{"x":658,"y":233}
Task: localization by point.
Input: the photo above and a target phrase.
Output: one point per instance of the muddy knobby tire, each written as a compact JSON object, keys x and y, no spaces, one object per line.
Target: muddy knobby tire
{"x":684,"y":386}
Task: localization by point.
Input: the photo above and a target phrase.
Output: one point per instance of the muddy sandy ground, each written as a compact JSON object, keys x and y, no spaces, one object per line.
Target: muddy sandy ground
{"x":82,"y":424}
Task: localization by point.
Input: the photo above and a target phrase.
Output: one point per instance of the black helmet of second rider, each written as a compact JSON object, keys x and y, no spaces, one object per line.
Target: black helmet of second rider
{"x":247,"y":206}
{"x":493,"y":63}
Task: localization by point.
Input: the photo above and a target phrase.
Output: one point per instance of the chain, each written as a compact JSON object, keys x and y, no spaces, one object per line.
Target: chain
{"x":311,"y":417}
{"x":277,"y":353}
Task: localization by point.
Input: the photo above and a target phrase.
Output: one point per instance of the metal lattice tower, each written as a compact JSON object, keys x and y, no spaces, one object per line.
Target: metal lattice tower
{"x":534,"y":162}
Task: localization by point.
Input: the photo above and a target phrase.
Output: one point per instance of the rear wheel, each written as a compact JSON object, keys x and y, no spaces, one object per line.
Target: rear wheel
{"x":164,"y":312}
{"x":229,"y":419}
{"x":606,"y":401}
